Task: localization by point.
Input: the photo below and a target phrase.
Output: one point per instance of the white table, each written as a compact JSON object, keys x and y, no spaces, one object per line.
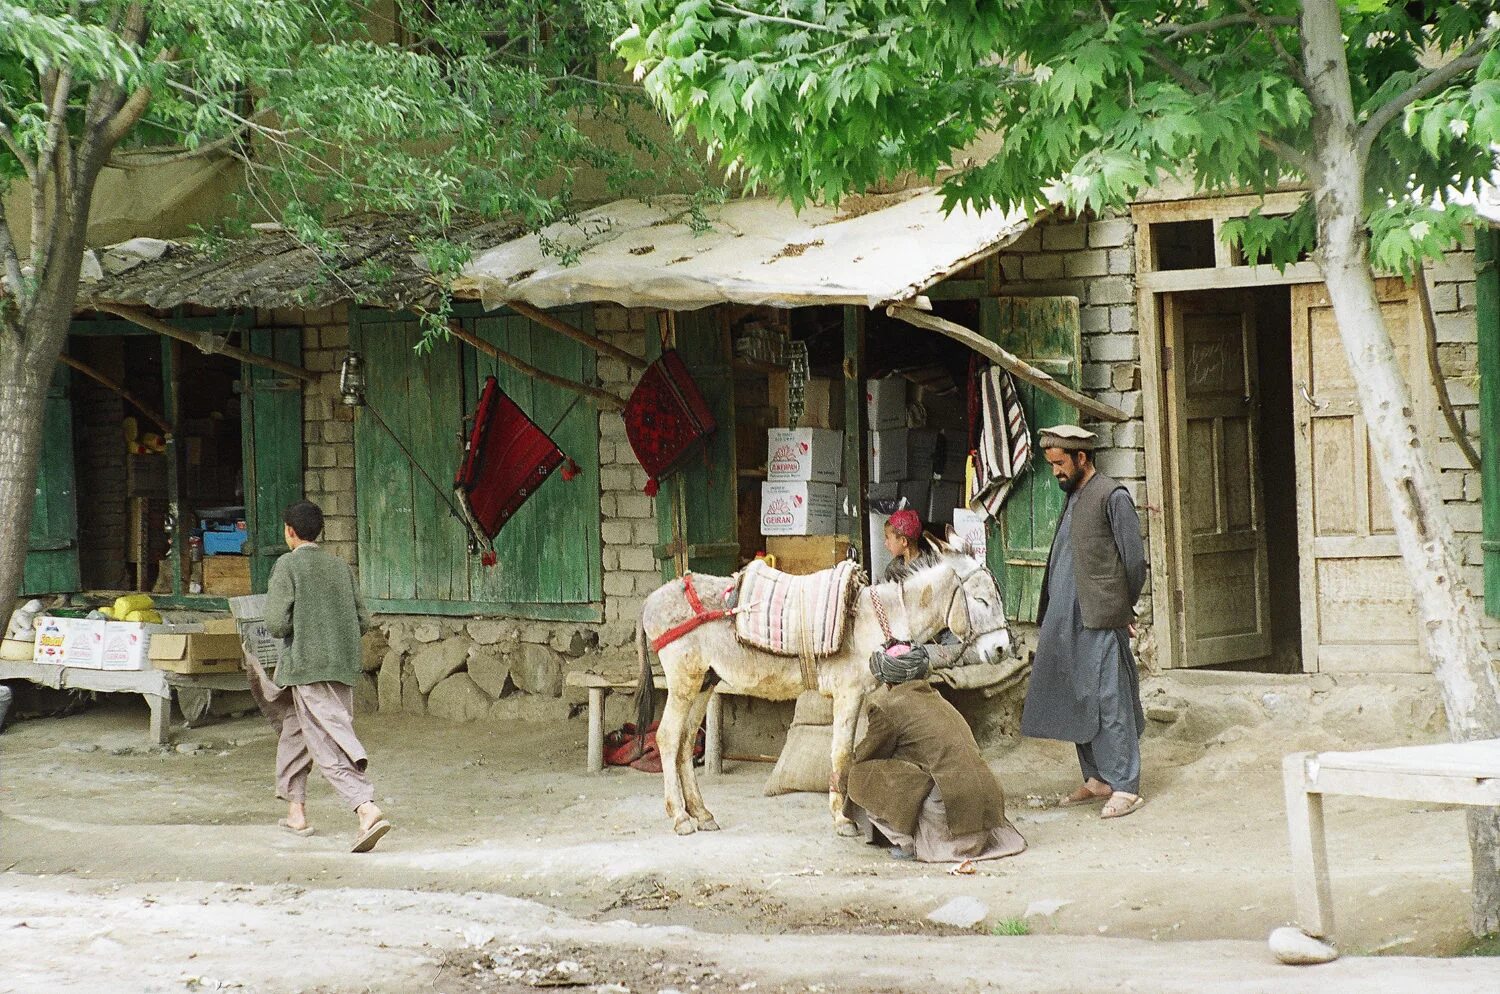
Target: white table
{"x":1448,"y":773}
{"x":155,"y":685}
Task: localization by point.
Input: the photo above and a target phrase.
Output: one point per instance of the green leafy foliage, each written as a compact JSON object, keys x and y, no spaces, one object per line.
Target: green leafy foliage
{"x":1091,"y":102}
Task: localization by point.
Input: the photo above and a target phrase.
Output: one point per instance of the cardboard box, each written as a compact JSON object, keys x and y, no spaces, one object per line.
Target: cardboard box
{"x":885,"y":403}
{"x":127,"y":644}
{"x":18,"y":650}
{"x":797,"y":508}
{"x":888,"y":455}
{"x":803,"y":554}
{"x":226,"y":576}
{"x":952,"y":452}
{"x":921,"y":448}
{"x":822,"y":402}
{"x":945,"y":496}
{"x":198,"y":652}
{"x":810,"y":455}
{"x":971,"y":528}
{"x":917,"y":494}
{"x":880,"y":556}
{"x":69,"y":642}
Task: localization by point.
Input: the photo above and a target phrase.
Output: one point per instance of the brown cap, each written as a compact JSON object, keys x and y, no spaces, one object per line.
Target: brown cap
{"x":1069,"y":438}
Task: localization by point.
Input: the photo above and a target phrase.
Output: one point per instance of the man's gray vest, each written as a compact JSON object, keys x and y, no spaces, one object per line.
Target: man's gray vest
{"x":1103,"y":594}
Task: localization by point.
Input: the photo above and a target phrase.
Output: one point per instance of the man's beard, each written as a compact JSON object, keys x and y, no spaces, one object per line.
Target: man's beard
{"x":1067,"y":483}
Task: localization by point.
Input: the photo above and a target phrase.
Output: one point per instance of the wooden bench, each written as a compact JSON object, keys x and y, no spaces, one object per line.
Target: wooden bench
{"x":157,"y":686}
{"x":600,"y":686}
{"x":1448,"y":773}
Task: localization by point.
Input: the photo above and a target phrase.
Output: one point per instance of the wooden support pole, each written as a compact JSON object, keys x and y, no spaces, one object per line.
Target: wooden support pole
{"x":196,"y":339}
{"x":114,"y":387}
{"x":562,"y":327}
{"x":602,"y":397}
{"x":1010,"y":363}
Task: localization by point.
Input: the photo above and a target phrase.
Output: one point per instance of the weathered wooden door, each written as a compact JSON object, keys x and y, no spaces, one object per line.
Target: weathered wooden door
{"x":52,"y":547}
{"x":1213,"y":403}
{"x":271,"y":437}
{"x":1046,"y":332}
{"x":1359,"y":612}
{"x":696,"y":508}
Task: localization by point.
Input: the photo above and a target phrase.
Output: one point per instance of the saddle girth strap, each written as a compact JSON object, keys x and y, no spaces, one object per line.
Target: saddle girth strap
{"x":700,"y":617}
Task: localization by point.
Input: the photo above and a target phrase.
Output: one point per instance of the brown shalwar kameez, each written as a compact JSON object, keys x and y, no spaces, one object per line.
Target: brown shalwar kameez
{"x":315,"y":722}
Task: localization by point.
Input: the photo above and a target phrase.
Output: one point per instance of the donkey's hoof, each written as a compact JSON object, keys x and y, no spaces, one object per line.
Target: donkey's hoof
{"x":684,"y":826}
{"x":847,"y":829}
{"x":708,"y":824}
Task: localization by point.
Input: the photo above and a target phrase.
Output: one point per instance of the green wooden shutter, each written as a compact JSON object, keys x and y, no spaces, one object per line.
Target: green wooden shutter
{"x":551,"y":551}
{"x":271,"y":436}
{"x":1046,"y":332}
{"x":52,"y":547}
{"x":703,"y":491}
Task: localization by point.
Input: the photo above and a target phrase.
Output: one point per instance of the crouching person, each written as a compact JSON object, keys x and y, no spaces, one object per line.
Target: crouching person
{"x":917,"y":776}
{"x":313,"y":604}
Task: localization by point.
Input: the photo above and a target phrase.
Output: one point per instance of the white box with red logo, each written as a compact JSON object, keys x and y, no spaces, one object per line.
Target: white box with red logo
{"x":885,"y":403}
{"x":798,"y":508}
{"x":805,"y":455}
{"x":971,"y":529}
{"x":95,"y":645}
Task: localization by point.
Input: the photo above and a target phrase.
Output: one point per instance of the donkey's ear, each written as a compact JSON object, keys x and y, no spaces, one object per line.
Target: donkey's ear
{"x":944,"y":546}
{"x":951,"y":542}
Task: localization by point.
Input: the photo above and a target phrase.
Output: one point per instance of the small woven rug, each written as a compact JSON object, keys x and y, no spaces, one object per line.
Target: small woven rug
{"x":792,"y":615}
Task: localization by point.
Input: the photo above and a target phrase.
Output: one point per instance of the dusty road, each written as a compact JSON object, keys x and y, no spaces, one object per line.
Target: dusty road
{"x":131,"y":870}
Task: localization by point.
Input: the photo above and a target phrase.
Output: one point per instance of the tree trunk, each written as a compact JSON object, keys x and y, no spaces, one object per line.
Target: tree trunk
{"x":23,"y":407}
{"x":1447,"y":608}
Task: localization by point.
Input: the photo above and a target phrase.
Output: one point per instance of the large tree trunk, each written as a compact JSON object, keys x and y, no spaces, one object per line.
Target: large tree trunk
{"x":1447,"y":608}
{"x":23,"y":406}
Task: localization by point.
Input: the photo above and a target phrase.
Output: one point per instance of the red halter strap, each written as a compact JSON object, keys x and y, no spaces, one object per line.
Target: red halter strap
{"x":700,"y":617}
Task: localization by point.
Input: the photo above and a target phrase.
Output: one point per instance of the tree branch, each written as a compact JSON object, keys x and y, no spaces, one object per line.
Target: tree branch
{"x":1427,"y":85}
{"x":750,"y":15}
{"x":60,"y":86}
{"x":13,"y":143}
{"x":1171,"y":32}
{"x":9,"y":255}
{"x":1268,"y":26}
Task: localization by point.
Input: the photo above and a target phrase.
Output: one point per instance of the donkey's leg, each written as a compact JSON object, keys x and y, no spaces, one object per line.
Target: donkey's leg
{"x":686,"y":771}
{"x":846,"y":704}
{"x":669,"y":737}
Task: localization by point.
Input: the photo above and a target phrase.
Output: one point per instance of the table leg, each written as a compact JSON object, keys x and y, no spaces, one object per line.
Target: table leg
{"x":713,"y":745}
{"x":1304,"y":816}
{"x":161,"y":716}
{"x":596,"y":729}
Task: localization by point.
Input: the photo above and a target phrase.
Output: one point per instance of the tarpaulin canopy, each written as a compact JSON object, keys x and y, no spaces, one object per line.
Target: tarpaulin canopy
{"x":870,"y":250}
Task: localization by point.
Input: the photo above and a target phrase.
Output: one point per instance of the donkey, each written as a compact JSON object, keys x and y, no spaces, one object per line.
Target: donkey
{"x":956,"y":592}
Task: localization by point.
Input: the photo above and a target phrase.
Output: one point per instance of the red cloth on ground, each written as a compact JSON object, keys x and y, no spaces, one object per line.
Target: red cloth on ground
{"x":665,"y":417}
{"x":619,"y":748}
{"x":507,"y":458}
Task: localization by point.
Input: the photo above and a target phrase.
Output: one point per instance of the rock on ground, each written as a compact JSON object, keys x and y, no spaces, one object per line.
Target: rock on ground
{"x":458,"y":698}
{"x":961,"y":912}
{"x":1295,"y":947}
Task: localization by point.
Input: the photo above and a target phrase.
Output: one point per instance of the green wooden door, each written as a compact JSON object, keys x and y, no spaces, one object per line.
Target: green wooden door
{"x":699,"y":500}
{"x":1046,"y":332}
{"x":271,"y":438}
{"x":52,"y":547}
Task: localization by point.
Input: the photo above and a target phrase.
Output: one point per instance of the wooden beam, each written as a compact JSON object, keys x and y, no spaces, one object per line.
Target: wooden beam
{"x":1013,"y":364}
{"x":114,"y":387}
{"x":562,"y":327}
{"x":196,"y":339}
{"x":602,"y":397}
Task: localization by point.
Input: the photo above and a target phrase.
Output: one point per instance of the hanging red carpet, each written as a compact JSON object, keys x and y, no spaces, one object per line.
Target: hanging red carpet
{"x":507,"y":458}
{"x":665,"y":417}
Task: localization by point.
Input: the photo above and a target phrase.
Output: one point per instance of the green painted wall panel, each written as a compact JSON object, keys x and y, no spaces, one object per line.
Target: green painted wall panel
{"x":52,"y":558}
{"x":271,"y":433}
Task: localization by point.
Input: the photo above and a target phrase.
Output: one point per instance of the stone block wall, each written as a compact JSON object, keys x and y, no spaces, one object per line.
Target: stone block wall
{"x":1094,"y":260}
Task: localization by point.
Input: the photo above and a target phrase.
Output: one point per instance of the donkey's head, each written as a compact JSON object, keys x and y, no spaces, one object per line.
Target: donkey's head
{"x":969,"y":604}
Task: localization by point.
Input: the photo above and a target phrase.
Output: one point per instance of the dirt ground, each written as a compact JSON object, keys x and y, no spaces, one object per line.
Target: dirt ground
{"x":132,"y":869}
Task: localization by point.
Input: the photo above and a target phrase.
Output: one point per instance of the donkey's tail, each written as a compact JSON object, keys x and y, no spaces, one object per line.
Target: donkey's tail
{"x":645,"y":702}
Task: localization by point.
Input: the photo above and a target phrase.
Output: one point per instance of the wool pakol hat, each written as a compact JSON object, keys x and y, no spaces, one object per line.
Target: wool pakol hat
{"x":1069,"y":438}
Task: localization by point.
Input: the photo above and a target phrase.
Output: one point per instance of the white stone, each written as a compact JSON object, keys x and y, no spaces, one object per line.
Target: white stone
{"x":426,"y":633}
{"x":1045,"y":908}
{"x":961,"y":912}
{"x":486,"y":632}
{"x":537,"y":669}
{"x":434,"y":663}
{"x":1296,"y":948}
{"x":489,"y":667}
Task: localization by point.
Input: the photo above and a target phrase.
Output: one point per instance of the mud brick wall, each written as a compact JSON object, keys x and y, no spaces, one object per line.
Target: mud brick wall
{"x":1094,"y":260}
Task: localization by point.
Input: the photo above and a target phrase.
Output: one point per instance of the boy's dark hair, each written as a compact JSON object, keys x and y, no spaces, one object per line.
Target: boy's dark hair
{"x":305,"y":519}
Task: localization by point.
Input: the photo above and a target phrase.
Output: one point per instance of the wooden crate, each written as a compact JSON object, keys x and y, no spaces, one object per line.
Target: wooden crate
{"x":803,"y":554}
{"x":226,"y":576}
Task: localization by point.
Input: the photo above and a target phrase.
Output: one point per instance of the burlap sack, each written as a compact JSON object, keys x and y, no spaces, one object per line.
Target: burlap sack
{"x":805,"y":761}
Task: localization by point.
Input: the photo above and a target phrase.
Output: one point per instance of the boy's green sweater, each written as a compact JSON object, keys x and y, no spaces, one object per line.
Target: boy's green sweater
{"x":313,"y":604}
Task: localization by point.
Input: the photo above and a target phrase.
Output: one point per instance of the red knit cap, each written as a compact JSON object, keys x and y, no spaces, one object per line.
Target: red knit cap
{"x":907,"y":524}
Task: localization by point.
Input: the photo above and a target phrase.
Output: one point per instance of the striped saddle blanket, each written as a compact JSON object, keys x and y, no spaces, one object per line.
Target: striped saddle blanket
{"x":791,"y":615}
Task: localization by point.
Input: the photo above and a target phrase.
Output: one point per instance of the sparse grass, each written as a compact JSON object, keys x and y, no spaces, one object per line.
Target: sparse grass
{"x":1011,"y":926}
{"x":1487,"y":946}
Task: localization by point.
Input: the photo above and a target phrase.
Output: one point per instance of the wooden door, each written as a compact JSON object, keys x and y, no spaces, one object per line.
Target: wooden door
{"x":1359,"y":612}
{"x":1046,"y":332}
{"x":271,"y":439}
{"x":51,"y":565}
{"x":1213,"y":404}
{"x":697,"y":508}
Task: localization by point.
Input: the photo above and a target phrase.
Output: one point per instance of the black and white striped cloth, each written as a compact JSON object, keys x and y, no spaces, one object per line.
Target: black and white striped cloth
{"x":1004,"y":450}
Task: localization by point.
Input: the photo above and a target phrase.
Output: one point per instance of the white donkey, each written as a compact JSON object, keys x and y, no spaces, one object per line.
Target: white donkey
{"x":957,"y":592}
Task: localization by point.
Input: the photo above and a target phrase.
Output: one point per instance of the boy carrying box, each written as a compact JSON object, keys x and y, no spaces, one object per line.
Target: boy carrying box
{"x":313,"y":604}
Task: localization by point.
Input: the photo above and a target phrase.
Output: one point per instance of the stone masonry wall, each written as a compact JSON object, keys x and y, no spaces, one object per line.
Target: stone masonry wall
{"x":1094,"y":260}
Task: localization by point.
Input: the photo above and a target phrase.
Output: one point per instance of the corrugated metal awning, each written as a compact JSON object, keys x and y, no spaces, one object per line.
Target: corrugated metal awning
{"x":871,"y":250}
